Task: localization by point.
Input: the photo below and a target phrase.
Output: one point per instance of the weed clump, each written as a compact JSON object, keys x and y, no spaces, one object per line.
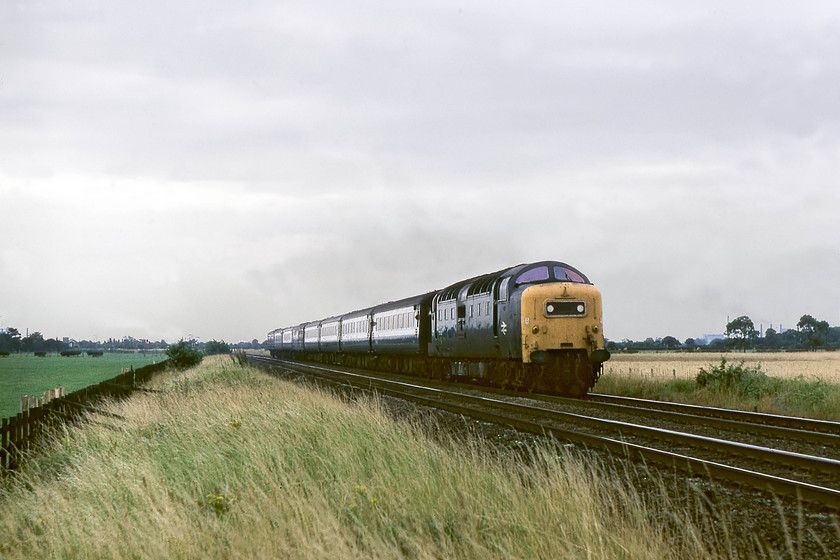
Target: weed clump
{"x":183,"y":355}
{"x":745,"y":381}
{"x":218,"y":503}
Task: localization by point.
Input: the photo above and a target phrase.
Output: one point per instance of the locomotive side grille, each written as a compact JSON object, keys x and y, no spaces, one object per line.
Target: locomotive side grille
{"x":565,"y":308}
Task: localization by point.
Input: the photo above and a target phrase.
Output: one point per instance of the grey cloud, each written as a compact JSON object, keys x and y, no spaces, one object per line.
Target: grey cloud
{"x":340,"y":150}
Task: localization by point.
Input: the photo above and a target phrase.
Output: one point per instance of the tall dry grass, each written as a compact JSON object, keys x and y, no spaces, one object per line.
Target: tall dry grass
{"x":231,"y":463}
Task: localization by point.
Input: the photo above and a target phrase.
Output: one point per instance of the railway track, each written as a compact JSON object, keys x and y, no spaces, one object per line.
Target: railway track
{"x":813,"y":478}
{"x":774,"y":420}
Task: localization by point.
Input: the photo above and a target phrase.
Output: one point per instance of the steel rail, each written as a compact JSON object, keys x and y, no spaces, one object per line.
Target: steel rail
{"x":820,"y":432}
{"x":827,"y":497}
{"x":793,"y":422}
{"x":684,"y":415}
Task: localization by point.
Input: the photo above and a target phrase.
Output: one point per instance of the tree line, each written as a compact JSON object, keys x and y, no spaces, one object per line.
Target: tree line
{"x":11,"y":341}
{"x":741,"y":334}
{"x":810,"y":334}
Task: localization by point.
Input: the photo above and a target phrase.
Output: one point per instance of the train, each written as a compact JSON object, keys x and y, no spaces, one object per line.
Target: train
{"x":532,"y":327}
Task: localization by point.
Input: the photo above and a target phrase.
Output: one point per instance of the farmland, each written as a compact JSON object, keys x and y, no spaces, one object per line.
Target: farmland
{"x":27,"y":374}
{"x":683,"y":365}
{"x":794,"y":383}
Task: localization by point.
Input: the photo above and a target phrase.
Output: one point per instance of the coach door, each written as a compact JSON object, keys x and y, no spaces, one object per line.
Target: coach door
{"x":500,"y":301}
{"x":461,"y":329}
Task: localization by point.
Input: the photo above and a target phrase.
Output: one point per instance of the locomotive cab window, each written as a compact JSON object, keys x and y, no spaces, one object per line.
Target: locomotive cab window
{"x":563,"y":274}
{"x":539,"y":274}
{"x":554,"y":274}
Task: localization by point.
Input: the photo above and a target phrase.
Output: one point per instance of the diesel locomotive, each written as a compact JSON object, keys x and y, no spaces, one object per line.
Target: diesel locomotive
{"x":534,"y":327}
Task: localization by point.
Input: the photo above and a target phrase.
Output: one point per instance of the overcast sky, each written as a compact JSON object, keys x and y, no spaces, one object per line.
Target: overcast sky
{"x":220,"y":169}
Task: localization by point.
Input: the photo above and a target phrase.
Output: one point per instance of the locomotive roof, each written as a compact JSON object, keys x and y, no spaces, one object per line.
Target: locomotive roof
{"x":484,"y":283}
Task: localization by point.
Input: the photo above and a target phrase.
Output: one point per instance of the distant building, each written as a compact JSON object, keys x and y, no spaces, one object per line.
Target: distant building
{"x":707,"y":339}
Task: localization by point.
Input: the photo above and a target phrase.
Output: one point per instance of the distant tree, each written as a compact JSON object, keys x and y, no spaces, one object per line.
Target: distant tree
{"x":183,"y":355}
{"x":216,"y":347}
{"x":771,"y":338}
{"x":741,"y":331}
{"x":813,"y":332}
{"x":10,"y":340}
{"x":54,"y":345}
{"x":717,"y":344}
{"x":790,"y":338}
{"x":670,"y":342}
{"x":833,"y":338}
{"x":33,"y":343}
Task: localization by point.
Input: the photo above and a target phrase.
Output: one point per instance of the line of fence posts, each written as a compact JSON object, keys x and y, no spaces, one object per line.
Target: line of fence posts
{"x":17,"y":433}
{"x":28,"y":402}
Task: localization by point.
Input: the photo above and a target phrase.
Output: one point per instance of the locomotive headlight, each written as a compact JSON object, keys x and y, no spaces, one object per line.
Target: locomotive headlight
{"x":565,"y":308}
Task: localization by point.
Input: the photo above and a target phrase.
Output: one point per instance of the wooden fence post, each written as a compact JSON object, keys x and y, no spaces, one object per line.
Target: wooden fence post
{"x":4,"y":442}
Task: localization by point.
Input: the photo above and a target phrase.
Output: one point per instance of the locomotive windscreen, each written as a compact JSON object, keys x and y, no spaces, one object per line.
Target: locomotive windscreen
{"x":555,"y":274}
{"x":563,"y":274}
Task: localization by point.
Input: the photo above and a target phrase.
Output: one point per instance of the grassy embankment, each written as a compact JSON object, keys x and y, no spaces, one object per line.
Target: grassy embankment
{"x":795,"y":384}
{"x":228,"y":462}
{"x":25,"y":374}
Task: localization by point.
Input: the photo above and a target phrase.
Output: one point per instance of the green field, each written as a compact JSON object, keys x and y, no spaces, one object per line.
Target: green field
{"x":24,"y":374}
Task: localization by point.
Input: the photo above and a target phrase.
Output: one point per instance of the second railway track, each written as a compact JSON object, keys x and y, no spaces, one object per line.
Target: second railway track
{"x":812,"y":476}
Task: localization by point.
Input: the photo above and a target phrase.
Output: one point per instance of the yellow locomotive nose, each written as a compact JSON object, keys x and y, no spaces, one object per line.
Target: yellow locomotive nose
{"x":562,"y":318}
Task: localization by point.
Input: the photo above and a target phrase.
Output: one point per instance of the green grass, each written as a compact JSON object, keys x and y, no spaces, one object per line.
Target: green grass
{"x":228,"y":462}
{"x":25,"y":374}
{"x":737,"y":386}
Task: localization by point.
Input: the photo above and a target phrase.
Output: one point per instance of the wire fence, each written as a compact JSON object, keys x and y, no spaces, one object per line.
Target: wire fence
{"x":19,"y":432}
